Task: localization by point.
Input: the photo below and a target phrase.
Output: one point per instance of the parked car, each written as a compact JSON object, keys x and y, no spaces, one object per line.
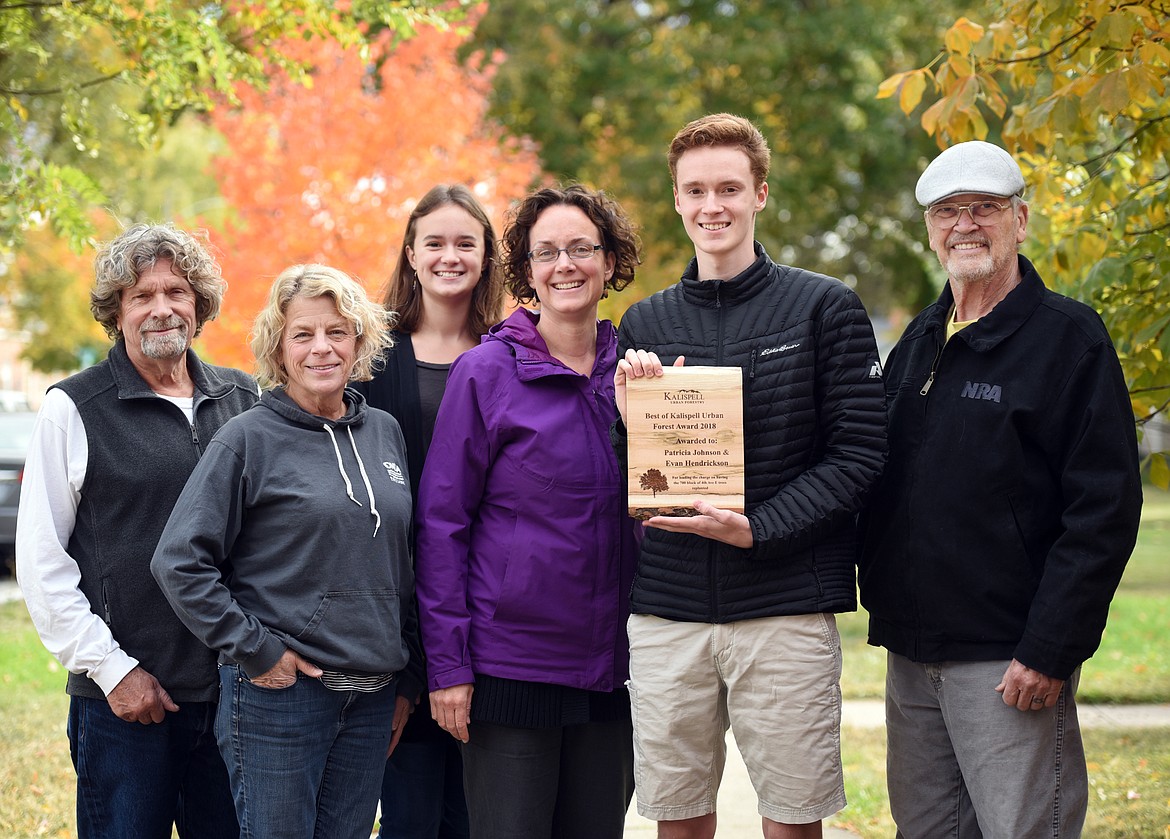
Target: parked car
{"x":15,"y":432}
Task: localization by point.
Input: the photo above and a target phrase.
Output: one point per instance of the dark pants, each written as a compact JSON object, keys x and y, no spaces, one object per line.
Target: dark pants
{"x":137,"y":780}
{"x":557,"y":783}
{"x":422,"y":791}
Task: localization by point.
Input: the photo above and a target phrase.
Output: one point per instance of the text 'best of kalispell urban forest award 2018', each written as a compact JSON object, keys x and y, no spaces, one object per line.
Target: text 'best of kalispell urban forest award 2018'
{"x":685,"y":432}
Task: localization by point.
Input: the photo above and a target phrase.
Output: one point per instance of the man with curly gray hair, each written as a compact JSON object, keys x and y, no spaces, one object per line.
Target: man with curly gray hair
{"x":111,"y":451}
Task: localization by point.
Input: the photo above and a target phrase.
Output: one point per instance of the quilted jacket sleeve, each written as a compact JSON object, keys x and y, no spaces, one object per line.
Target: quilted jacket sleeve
{"x":851,"y":419}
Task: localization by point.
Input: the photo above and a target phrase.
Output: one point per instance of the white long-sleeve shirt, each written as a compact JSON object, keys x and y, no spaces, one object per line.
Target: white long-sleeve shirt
{"x":54,"y":474}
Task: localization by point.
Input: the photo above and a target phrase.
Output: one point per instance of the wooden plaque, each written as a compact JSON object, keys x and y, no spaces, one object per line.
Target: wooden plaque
{"x":685,"y":432}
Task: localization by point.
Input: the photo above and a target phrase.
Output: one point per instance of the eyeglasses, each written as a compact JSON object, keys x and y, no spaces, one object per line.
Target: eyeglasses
{"x":574,"y":252}
{"x":946,"y":216}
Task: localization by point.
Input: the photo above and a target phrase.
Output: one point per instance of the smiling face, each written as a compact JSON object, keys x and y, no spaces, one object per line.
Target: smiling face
{"x":568,"y":287}
{"x":318,"y":349}
{"x":156,"y":315}
{"x":718,"y":199}
{"x":447,"y":253}
{"x":979,"y":253}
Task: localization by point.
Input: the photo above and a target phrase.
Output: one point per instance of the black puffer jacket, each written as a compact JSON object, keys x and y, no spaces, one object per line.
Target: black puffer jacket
{"x":815,"y":441}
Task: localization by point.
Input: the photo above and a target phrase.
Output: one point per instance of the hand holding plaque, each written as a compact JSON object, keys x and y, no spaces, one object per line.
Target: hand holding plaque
{"x":685,"y":435}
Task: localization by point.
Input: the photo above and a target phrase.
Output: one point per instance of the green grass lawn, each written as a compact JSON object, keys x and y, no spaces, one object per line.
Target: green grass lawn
{"x":1129,"y":771}
{"x":1133,"y":663}
{"x":36,"y":776}
{"x":1129,"y":783}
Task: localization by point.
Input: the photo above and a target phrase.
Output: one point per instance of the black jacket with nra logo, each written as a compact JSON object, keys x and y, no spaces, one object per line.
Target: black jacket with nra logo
{"x":1010,"y":502}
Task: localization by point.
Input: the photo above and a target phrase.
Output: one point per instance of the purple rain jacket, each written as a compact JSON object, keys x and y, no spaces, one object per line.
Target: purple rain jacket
{"x":525,"y":551}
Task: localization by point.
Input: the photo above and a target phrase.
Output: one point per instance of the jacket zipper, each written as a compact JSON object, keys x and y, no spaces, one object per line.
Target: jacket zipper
{"x":712,"y":554}
{"x":933,"y":369}
{"x":915,"y":606}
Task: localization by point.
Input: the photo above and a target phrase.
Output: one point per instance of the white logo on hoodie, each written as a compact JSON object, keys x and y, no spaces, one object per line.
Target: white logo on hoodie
{"x":394,"y":471}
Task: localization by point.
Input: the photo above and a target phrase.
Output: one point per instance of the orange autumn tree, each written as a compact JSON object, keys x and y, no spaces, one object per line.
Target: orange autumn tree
{"x":330,"y":172}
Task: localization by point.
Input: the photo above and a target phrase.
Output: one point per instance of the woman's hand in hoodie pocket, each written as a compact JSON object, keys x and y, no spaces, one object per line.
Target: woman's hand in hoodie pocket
{"x":283,"y":674}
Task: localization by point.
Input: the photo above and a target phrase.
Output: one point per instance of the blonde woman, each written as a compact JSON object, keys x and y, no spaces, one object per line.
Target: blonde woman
{"x":288,"y":553}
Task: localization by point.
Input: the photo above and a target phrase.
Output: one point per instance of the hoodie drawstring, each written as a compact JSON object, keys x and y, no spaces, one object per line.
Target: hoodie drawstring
{"x":365,"y":480}
{"x":345,"y":477}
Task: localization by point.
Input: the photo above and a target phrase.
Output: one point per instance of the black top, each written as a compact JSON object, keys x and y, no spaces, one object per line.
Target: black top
{"x":537,"y":705}
{"x":432,"y":382}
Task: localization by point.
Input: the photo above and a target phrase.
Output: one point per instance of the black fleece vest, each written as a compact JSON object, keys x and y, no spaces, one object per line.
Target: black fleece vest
{"x":141,"y":452}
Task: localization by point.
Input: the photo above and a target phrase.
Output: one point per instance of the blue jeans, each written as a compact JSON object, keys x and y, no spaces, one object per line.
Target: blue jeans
{"x":139,"y":780}
{"x":961,"y":764}
{"x":304,"y":761}
{"x":422,"y":792}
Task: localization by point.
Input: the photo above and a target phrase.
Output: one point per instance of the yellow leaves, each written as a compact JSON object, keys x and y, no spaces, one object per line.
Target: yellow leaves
{"x":1145,"y":84}
{"x":960,"y":66}
{"x":958,"y":114}
{"x":891,"y":85}
{"x":1045,"y":185}
{"x":962,"y":35}
{"x":909,"y":86}
{"x":1117,"y":29}
{"x":993,"y":96}
{"x":1154,"y":53}
{"x":1119,"y":68}
{"x":931,"y":116}
{"x":911,"y":93}
{"x":1160,"y":470}
{"x":1003,"y":37}
{"x":964,"y":82}
{"x":1109,"y":95}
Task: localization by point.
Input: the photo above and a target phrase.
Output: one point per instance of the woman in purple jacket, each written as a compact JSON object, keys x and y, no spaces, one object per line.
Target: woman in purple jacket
{"x":525,"y":551}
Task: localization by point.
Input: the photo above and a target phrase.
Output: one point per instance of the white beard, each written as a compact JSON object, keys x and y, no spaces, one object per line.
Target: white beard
{"x":164,"y":346}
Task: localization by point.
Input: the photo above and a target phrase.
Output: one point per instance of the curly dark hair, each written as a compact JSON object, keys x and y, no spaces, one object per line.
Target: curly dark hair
{"x":618,"y":235}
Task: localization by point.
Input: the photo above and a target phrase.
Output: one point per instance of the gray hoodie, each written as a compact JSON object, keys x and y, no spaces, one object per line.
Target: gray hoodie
{"x":294,"y":532}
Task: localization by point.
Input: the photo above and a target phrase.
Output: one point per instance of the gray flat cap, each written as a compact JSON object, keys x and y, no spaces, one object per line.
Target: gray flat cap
{"x":974,"y":166}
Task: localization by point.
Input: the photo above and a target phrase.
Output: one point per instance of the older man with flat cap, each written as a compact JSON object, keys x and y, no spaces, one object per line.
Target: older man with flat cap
{"x":1001,"y":527}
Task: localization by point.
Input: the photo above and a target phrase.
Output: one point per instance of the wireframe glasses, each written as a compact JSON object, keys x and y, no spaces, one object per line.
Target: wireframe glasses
{"x":574,"y":251}
{"x":946,"y":216}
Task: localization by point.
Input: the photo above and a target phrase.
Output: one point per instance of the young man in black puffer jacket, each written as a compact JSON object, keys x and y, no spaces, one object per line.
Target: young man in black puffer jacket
{"x":733,"y":618}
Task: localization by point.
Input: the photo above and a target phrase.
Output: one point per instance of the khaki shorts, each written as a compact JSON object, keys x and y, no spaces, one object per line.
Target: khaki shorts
{"x":774,"y":681}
